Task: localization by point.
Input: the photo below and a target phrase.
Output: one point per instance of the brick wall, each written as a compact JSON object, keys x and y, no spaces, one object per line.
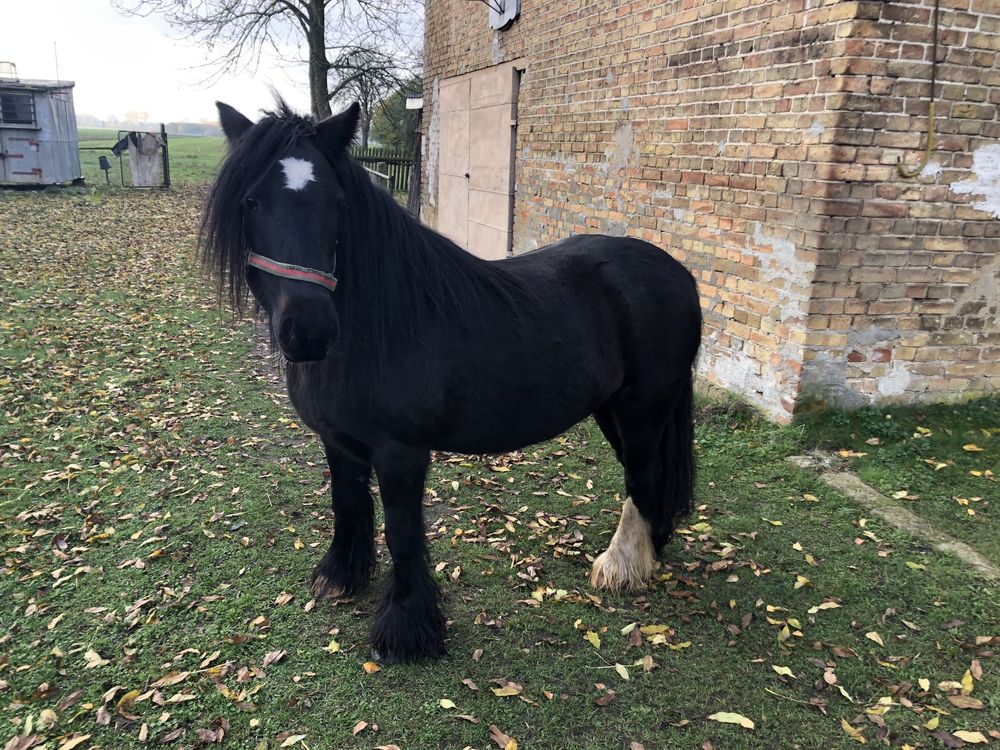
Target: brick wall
{"x":757,"y":142}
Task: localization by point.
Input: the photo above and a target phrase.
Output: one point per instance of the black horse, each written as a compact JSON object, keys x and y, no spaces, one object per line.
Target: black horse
{"x":418,"y":345}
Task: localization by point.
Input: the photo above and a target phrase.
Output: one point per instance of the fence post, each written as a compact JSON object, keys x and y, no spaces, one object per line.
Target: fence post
{"x":166,"y":156}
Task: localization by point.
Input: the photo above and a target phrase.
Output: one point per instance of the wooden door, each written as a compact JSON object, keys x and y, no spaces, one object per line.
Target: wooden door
{"x":475,"y":167}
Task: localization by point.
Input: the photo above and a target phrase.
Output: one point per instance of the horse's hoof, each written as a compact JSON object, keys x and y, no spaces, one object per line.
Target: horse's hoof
{"x":323,"y":586}
{"x":613,"y":572}
{"x":629,"y":561}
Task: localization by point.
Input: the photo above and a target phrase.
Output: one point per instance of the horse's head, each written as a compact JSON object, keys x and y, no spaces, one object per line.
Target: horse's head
{"x":272,"y":221}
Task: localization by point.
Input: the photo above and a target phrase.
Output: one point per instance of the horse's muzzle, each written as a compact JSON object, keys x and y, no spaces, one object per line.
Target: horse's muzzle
{"x":303,"y":337}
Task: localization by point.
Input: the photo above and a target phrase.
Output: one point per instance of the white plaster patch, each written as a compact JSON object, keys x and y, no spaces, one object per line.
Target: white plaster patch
{"x":895,"y":382}
{"x":298,"y":172}
{"x":931,"y":169}
{"x":985,"y":180}
{"x":817,"y":129}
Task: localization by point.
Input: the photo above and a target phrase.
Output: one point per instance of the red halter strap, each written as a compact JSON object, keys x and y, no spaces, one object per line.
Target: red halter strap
{"x":291,"y":271}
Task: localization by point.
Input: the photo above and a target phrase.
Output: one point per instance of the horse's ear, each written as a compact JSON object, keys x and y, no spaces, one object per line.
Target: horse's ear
{"x":338,"y":131}
{"x":234,"y":124}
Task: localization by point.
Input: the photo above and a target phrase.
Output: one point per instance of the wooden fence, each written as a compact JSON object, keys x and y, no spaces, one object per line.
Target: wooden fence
{"x":396,"y":164}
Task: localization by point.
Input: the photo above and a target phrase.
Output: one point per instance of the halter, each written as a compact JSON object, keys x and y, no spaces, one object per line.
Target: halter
{"x":291,"y":271}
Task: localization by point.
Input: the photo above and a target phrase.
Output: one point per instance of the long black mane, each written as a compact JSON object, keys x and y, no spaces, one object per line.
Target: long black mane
{"x":394,"y":272}
{"x":223,"y":239}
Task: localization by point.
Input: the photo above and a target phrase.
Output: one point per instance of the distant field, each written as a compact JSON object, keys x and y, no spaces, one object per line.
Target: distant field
{"x":193,"y":159}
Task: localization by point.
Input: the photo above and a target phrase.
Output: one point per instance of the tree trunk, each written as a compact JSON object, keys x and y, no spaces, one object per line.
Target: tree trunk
{"x":319,"y":66}
{"x":366,"y":125}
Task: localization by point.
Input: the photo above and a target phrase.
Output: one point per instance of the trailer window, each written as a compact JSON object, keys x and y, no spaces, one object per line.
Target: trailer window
{"x":17,"y":108}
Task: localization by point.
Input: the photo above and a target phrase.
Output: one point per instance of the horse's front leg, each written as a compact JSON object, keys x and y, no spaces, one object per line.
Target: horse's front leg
{"x":348,"y":564}
{"x":409,"y":625}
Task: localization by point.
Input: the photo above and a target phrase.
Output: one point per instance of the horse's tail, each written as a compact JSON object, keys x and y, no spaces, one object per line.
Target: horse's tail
{"x":677,"y":454}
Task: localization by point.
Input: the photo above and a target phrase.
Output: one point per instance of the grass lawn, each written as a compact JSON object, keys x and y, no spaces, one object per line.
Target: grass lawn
{"x":941,"y":461}
{"x":193,"y":159}
{"x":161,"y":511}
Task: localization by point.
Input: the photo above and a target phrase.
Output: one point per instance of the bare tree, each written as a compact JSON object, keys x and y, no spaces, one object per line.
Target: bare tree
{"x":367,"y":76}
{"x":238,"y":31}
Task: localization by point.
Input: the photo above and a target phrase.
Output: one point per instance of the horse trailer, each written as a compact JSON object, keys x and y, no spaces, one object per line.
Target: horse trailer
{"x":38,"y":139}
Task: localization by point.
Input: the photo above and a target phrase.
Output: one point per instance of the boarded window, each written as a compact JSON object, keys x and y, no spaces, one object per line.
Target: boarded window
{"x":17,"y":108}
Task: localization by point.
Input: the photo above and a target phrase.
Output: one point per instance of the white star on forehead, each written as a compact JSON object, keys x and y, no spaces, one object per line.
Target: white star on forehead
{"x":298,"y":172}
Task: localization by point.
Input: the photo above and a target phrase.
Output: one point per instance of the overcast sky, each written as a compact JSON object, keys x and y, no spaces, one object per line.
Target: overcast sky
{"x":126,"y":64}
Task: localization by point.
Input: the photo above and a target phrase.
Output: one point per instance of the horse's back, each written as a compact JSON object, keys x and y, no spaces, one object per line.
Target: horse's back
{"x":652,"y":296}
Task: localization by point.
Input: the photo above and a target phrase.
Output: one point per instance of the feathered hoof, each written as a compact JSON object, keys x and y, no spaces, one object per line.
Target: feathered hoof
{"x":629,"y":561}
{"x":323,"y":587}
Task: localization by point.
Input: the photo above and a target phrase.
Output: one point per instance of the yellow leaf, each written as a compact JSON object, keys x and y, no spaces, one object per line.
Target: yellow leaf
{"x":972,"y":448}
{"x":924,"y":684}
{"x":726,"y":717}
{"x":94,"y":659}
{"x":784,"y":634}
{"x":171,"y":678}
{"x":783,"y":671}
{"x":71,"y":742}
{"x":507,"y":690}
{"x":371,"y":667}
{"x":124,"y":704}
{"x":679,"y":646}
{"x":801,"y":581}
{"x":874,"y":636}
{"x":971,"y":737}
{"x":622,"y":671}
{"x":593,"y":638}
{"x":915,"y":566}
{"x":851,"y":732}
{"x":653,"y":629}
{"x":292,"y":739}
{"x":933,"y":722}
{"x":333,"y":647}
{"x":967,"y":682}
{"x":446,"y":703}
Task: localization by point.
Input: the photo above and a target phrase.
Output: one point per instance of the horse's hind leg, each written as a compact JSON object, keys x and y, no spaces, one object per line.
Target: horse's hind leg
{"x":409,"y":625}
{"x":656,"y":451}
{"x":349,"y":562}
{"x":630,"y":559}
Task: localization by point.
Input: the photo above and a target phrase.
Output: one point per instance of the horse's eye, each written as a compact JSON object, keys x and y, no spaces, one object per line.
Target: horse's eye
{"x":251,"y":203}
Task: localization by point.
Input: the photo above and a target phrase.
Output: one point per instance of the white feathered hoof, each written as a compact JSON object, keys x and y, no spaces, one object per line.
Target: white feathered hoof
{"x":629,"y":561}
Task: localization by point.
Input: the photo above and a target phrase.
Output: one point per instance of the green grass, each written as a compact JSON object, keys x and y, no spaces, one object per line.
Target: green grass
{"x":942,"y":461}
{"x":193,"y":159}
{"x":157,"y":496}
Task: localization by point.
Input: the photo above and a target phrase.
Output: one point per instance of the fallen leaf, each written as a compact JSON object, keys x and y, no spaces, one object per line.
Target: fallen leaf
{"x":874,"y":636}
{"x":965,"y":702}
{"x":971,"y":737}
{"x":70,"y":742}
{"x":972,"y":448}
{"x":446,"y":703}
{"x":593,"y":638}
{"x":622,"y":671}
{"x":507,"y":690}
{"x":273,"y":657}
{"x":93,"y":660}
{"x":371,"y":667}
{"x":503,"y":741}
{"x":359,"y":727}
{"x":292,"y":739}
{"x":851,"y":732}
{"x":171,"y":678}
{"x":727,"y":717}
{"x":783,"y":671}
